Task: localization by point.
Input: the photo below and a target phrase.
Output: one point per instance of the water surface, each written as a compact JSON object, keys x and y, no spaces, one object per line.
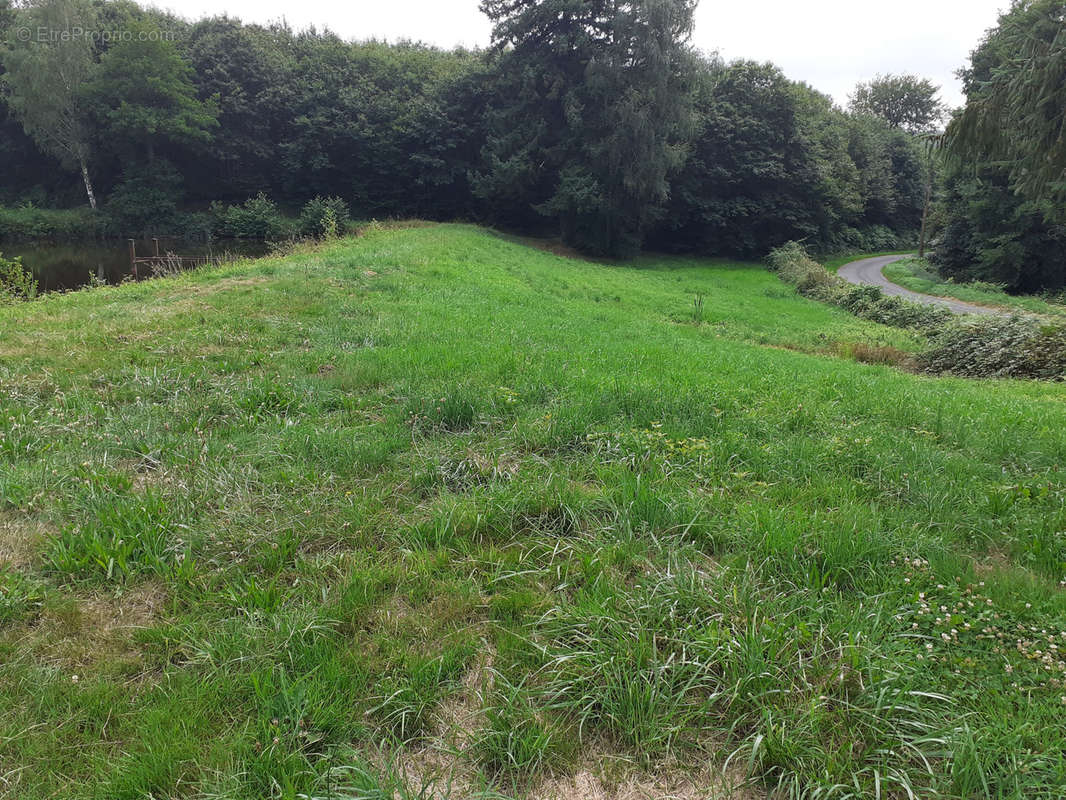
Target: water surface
{"x":58,"y":267}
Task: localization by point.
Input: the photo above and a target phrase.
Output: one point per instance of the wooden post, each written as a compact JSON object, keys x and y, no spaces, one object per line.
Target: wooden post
{"x":156,"y":240}
{"x":133,"y":258}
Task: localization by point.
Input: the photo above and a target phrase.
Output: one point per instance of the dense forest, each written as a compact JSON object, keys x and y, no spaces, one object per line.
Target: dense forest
{"x":607,"y":130}
{"x":1004,"y":202}
{"x":594,"y":121}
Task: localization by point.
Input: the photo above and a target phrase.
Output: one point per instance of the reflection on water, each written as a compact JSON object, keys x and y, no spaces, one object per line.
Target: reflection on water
{"x":68,"y":266}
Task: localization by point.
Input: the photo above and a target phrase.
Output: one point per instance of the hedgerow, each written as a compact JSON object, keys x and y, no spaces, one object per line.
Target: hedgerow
{"x":988,"y":347}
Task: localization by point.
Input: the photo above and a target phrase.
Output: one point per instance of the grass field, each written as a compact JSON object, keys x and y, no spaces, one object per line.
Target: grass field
{"x":919,"y":276}
{"x":430,"y":513}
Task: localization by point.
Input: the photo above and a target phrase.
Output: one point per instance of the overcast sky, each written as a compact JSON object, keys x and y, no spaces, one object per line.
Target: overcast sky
{"x":830,"y":44}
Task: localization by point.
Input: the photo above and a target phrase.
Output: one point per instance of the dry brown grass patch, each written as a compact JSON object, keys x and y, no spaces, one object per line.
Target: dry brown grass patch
{"x":606,"y":777}
{"x":19,"y":540}
{"x":876,"y":354}
{"x":79,"y":635}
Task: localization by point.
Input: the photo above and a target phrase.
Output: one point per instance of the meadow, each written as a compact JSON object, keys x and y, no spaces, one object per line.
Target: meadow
{"x":431,"y":513}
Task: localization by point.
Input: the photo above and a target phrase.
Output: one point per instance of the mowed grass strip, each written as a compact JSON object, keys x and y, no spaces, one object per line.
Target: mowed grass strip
{"x":431,"y":511}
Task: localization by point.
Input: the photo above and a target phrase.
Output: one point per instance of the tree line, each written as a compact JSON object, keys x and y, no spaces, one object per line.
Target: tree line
{"x":593,"y":120}
{"x":1003,"y":206}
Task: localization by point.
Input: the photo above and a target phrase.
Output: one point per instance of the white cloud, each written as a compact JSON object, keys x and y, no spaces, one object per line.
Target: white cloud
{"x":831,"y":44}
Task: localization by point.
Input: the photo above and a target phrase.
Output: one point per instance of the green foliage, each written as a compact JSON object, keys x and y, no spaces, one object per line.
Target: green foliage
{"x":793,"y":265}
{"x":27,"y":222}
{"x":592,"y":120}
{"x":772,"y":161}
{"x":324,"y":216}
{"x":257,"y":218}
{"x":993,"y":234}
{"x":1015,"y":93}
{"x":146,"y":200}
{"x":16,"y":282}
{"x":1006,"y":177}
{"x":47,"y":82}
{"x":907,"y":102}
{"x":1016,"y":347}
{"x":599,"y":88}
{"x":145,"y":94}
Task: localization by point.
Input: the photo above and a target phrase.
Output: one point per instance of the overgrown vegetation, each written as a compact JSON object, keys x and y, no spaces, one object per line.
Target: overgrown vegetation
{"x":28,"y":222}
{"x":792,"y":263}
{"x":1019,"y":347}
{"x":261,"y":542}
{"x":324,"y":217}
{"x":256,"y":218}
{"x":16,"y":282}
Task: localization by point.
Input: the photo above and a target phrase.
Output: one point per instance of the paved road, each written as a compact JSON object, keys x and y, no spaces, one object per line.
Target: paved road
{"x":867,"y":272}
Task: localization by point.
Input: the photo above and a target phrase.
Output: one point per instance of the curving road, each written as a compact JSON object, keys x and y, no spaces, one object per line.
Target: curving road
{"x":867,"y":272}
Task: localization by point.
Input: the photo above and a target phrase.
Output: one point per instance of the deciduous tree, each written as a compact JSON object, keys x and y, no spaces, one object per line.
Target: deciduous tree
{"x":903,"y":101}
{"x":46,"y":75}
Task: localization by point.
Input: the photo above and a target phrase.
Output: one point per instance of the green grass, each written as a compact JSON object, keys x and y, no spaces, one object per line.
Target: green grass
{"x":919,"y":276}
{"x":428,"y":508}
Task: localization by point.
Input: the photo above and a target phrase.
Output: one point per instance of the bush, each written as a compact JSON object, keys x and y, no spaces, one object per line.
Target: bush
{"x":257,"y":218}
{"x":16,"y":282}
{"x":324,"y":216}
{"x":793,"y":265}
{"x":869,"y":302}
{"x":811,"y":279}
{"x":145,"y":202}
{"x":30,"y":223}
{"x":998,"y":347}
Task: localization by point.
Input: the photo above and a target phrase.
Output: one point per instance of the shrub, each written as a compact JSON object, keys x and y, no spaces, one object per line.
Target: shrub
{"x":16,"y":282}
{"x":324,"y":216}
{"x":811,"y":279}
{"x":869,"y":302}
{"x":145,"y":202}
{"x":998,"y":347}
{"x":29,"y":223}
{"x":257,"y":218}
{"x":793,"y":265}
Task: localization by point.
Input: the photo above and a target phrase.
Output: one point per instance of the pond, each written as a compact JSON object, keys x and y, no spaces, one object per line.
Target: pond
{"x":59,"y":267}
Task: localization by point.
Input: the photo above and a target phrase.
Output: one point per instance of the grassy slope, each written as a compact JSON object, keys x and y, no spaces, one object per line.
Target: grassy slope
{"x":276,"y":514}
{"x":917,"y":276}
